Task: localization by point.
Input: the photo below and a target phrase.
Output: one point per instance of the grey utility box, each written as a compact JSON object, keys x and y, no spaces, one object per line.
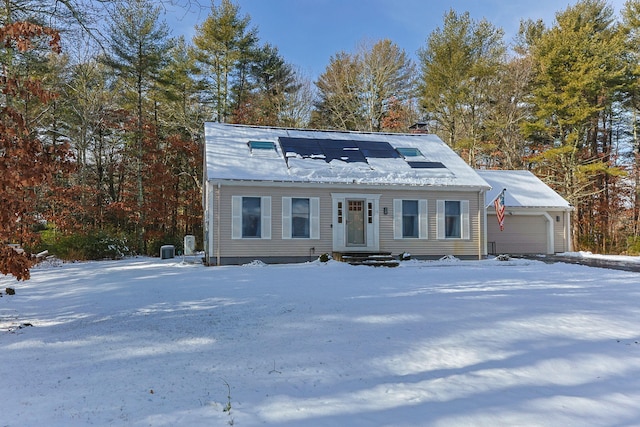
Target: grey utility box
{"x":167,"y":251}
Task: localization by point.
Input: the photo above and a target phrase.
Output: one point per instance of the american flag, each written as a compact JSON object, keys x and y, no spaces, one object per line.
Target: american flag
{"x":499,"y":204}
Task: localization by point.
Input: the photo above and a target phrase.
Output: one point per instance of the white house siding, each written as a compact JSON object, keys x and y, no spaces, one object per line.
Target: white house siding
{"x":233,"y":251}
{"x":276,"y":249}
{"x":561,"y":231}
{"x":432,"y":247}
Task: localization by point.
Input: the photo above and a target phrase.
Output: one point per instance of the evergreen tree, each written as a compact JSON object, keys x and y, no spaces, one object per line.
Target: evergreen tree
{"x":460,"y":66}
{"x":224,"y":45}
{"x":272,"y":81}
{"x":182,"y":112}
{"x":631,"y":30}
{"x":578,"y":77}
{"x":138,"y":46}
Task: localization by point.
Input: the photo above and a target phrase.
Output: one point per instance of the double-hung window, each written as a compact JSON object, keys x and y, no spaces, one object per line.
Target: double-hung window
{"x":300,"y":218}
{"x":250,"y":217}
{"x":410,"y":219}
{"x":453,"y":219}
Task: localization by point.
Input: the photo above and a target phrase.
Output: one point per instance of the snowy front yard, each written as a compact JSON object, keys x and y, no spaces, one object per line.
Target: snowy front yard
{"x":149,"y":342}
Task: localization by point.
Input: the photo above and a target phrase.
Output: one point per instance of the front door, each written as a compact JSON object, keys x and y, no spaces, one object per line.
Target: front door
{"x":356,"y":223}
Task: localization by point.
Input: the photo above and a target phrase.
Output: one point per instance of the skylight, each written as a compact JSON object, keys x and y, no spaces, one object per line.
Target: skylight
{"x":409,"y":152}
{"x":262,"y":145}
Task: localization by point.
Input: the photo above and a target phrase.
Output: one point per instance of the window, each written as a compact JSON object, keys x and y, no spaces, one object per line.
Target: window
{"x":300,"y":218}
{"x":410,"y":219}
{"x":409,"y":152}
{"x":250,"y":217}
{"x":453,"y":219}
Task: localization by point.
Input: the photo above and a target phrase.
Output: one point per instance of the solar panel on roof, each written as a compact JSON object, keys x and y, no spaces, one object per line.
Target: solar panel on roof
{"x":304,"y":147}
{"x":377,"y":150}
{"x":337,"y":149}
{"x":427,"y":165}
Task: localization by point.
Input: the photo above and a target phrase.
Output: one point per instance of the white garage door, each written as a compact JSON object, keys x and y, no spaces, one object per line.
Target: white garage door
{"x":521,"y":235}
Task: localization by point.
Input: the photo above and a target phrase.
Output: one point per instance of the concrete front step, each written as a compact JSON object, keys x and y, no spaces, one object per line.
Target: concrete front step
{"x":375,"y":259}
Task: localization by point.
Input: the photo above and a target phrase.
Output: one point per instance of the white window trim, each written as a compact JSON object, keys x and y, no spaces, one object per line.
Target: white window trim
{"x":314,"y":218}
{"x":465,"y":232}
{"x":422,"y":219}
{"x":236,"y":218}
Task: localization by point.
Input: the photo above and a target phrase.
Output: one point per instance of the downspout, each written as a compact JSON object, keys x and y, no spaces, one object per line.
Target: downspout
{"x":567,"y":231}
{"x":550,"y":235}
{"x":482,"y":239}
{"x":218,"y":225}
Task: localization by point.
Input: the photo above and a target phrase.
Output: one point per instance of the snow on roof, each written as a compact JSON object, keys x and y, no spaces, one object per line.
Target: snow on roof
{"x":230,"y":157}
{"x":524,"y":189}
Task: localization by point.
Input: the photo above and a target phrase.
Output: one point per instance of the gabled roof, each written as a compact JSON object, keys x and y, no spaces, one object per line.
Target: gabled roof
{"x":523,"y":190}
{"x":238,"y":152}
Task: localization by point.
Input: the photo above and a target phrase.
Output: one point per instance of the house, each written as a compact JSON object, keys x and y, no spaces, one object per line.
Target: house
{"x":287,"y":195}
{"x":536,"y":221}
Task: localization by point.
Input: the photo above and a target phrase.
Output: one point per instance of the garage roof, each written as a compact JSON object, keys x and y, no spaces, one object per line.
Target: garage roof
{"x":524,"y":190}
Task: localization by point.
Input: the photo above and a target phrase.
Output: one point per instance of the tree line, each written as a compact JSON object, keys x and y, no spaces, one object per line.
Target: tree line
{"x":101,"y":139}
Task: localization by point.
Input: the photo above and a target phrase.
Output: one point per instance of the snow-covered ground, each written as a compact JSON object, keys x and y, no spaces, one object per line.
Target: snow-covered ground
{"x":149,"y":342}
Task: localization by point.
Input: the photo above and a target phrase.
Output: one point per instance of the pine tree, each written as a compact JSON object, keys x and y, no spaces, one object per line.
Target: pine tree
{"x":224,"y":45}
{"x":460,"y":66}
{"x":578,"y":77}
{"x":272,"y":82}
{"x":138,"y":46}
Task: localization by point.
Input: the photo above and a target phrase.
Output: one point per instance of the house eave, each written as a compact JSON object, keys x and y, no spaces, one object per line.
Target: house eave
{"x":346,"y":185}
{"x":536,"y":208}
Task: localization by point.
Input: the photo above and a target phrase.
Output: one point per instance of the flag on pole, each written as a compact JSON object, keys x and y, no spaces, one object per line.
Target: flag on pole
{"x":499,"y":204}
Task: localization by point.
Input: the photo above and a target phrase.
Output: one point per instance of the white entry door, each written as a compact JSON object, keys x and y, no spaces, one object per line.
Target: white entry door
{"x":355,"y":222}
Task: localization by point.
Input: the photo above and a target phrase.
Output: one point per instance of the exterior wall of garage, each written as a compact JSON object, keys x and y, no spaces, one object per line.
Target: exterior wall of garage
{"x":526,"y":232}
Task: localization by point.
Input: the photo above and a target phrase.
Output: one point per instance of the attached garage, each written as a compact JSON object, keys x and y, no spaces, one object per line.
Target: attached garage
{"x":530,"y":229}
{"x":536,"y":218}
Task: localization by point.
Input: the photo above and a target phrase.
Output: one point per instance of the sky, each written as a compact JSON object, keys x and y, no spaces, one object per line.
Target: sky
{"x":308,"y":32}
